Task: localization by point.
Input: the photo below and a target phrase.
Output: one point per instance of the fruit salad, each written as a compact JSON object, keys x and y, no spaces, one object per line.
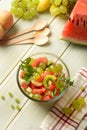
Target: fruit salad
{"x":41,"y":79}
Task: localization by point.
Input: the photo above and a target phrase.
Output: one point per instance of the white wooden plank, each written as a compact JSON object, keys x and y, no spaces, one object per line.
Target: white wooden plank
{"x":9,"y":58}
{"x":5,"y":4}
{"x":6,"y":112}
{"x":75,"y":57}
{"x":31,"y":116}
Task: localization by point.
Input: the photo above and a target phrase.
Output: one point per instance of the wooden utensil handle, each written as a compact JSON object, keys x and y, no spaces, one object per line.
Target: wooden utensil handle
{"x":17,"y":34}
{"x":20,"y":39}
{"x":27,"y":41}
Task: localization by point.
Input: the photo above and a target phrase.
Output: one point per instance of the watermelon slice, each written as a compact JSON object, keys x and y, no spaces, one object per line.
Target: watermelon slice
{"x":75,"y":29}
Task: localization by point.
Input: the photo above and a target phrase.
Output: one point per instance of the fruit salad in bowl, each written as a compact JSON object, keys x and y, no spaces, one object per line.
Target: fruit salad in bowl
{"x":43,"y":77}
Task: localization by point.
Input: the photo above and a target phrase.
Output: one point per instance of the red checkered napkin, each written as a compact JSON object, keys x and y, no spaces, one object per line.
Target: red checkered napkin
{"x":57,"y":120}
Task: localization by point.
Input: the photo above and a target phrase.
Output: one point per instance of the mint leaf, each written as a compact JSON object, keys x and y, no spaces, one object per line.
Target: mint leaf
{"x":28,"y":70}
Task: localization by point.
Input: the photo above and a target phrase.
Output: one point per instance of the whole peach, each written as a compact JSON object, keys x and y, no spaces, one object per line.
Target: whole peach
{"x":6,"y":19}
{"x":2,"y":32}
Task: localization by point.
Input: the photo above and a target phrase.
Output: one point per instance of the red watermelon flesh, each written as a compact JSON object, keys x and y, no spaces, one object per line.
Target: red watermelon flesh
{"x":75,"y":29}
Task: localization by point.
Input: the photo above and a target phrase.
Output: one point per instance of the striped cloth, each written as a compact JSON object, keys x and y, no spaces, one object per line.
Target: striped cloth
{"x":77,"y":120}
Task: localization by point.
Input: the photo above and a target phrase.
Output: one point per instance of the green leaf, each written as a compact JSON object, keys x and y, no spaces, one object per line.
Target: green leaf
{"x":28,"y":70}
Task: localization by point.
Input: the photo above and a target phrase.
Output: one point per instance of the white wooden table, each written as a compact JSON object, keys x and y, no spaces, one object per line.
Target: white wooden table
{"x":32,"y":113}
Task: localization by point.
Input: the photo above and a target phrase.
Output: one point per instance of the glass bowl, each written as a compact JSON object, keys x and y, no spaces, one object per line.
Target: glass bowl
{"x":27,"y":91}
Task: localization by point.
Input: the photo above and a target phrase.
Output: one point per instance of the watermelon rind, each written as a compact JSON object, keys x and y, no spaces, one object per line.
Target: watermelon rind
{"x":75,"y":41}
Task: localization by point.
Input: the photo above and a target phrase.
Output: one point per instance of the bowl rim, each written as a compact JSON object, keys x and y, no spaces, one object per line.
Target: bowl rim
{"x":53,"y":99}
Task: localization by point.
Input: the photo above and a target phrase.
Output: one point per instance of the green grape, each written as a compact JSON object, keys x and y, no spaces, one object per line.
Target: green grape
{"x":12,"y":106}
{"x":59,"y":67}
{"x":20,"y":12}
{"x":47,"y":69}
{"x":14,"y":3}
{"x":27,"y":15}
{"x":78,"y":103}
{"x":23,"y":4}
{"x":17,"y":101}
{"x":65,"y":2}
{"x":2,"y":97}
{"x":29,"y":90}
{"x":27,"y":9}
{"x":52,"y":68}
{"x":13,"y":10}
{"x":36,"y":76}
{"x":75,"y":104}
{"x":63,"y":9}
{"x":17,"y":11}
{"x":30,"y":5}
{"x":33,"y":12}
{"x":81,"y":101}
{"x":10,"y":94}
{"x":37,"y":96}
{"x":31,"y":95}
{"x":58,"y":2}
{"x":55,"y":11}
{"x":24,"y":8}
{"x":67,"y":110}
{"x":42,"y":65}
{"x":35,"y":1}
{"x":55,"y":68}
{"x":18,"y":108}
{"x":39,"y":70}
{"x":52,"y":1}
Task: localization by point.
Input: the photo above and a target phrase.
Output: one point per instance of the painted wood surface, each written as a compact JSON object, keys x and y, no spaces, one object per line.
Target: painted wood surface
{"x":32,"y":113}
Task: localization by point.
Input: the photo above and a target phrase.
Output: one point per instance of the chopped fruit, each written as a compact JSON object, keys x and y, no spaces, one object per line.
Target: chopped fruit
{"x":42,"y":79}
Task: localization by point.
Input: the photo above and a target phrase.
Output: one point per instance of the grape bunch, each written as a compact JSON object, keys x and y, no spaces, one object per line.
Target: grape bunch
{"x":61,"y":7}
{"x":27,"y":9}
